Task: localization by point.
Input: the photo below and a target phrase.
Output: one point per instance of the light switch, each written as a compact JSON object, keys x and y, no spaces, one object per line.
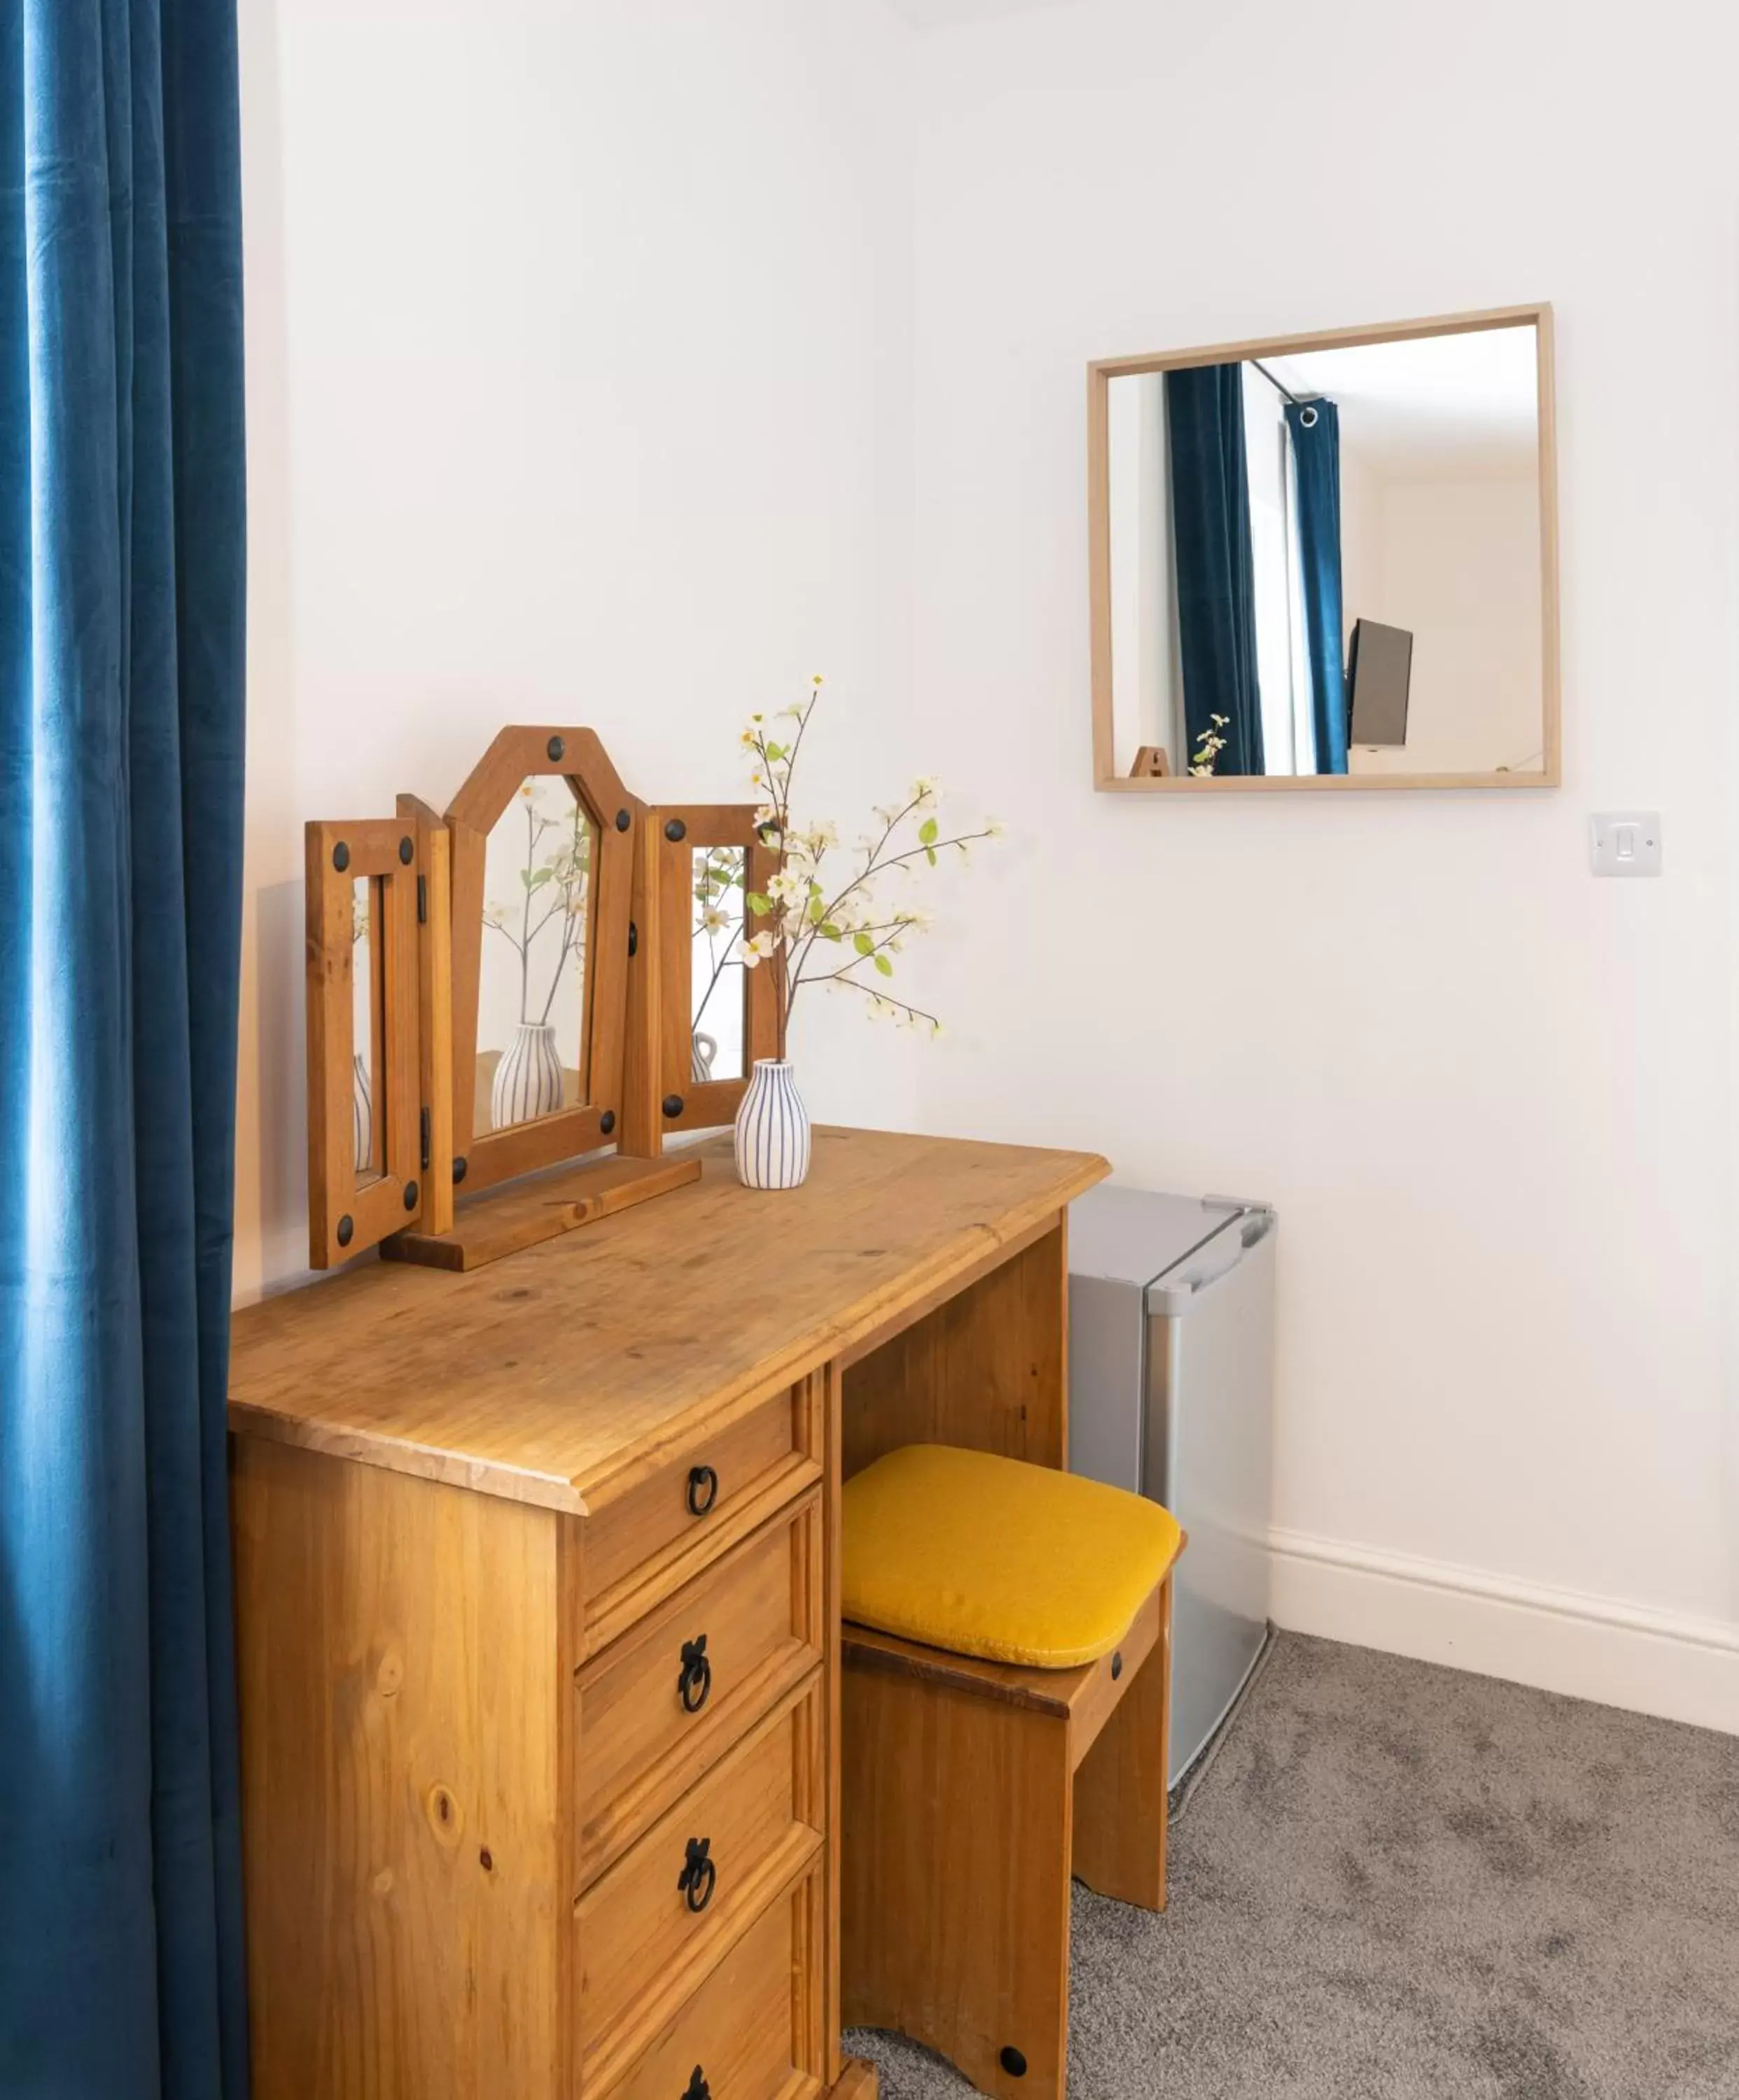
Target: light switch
{"x":1625,"y":841}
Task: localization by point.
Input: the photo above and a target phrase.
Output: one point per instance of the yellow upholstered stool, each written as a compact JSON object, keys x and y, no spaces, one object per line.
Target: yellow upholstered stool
{"x":1007,"y":1703}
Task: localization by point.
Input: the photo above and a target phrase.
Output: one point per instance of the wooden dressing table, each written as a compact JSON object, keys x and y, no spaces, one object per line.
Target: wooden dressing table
{"x":538,"y":1618}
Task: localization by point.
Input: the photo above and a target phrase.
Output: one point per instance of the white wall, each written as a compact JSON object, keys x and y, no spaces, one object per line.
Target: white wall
{"x":1457,"y":563}
{"x":579,"y":349}
{"x":1491,"y":1096}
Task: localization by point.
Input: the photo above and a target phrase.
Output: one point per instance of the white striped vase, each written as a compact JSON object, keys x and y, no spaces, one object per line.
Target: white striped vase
{"x":528,"y":1079}
{"x":772,"y":1133}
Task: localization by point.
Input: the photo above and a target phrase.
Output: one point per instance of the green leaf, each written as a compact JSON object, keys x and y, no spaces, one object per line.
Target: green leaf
{"x":775,"y":751}
{"x":829,"y":932}
{"x":929,"y":854}
{"x":928,"y":831}
{"x":815,"y":908}
{"x":884,"y":966}
{"x":758,"y":904}
{"x":863,"y":944}
{"x":539,"y":876}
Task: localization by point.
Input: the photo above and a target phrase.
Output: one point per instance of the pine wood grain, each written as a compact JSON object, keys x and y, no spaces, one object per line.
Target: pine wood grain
{"x":956,"y":1843}
{"x":989,"y":1368}
{"x":642,"y":1948}
{"x":545,"y":1378}
{"x":739,"y":2029}
{"x":759,"y":1612}
{"x":541,"y":1209}
{"x":399,"y":1679}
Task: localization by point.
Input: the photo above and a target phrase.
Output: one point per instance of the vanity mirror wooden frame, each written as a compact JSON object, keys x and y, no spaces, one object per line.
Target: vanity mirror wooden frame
{"x":679,"y":830}
{"x":483,"y":1158}
{"x":426,"y":915}
{"x":346,"y":1211}
{"x":1146,"y":780}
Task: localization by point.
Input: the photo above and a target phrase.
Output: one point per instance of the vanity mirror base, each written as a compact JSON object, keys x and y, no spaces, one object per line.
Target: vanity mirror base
{"x":508,"y":1220}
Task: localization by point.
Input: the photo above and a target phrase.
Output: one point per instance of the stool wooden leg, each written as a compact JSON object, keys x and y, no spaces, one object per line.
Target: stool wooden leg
{"x":954,"y":1865}
{"x":1120,"y":1789}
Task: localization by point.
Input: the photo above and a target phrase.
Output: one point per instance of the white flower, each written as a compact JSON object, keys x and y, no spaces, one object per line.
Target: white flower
{"x":713,"y":921}
{"x":925,"y":790}
{"x":760,"y":948}
{"x":790,"y":887}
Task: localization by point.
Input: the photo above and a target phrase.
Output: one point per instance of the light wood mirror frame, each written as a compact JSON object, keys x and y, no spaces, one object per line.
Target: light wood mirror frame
{"x":679,"y":830}
{"x":347,"y":1213}
{"x":1099,"y":378}
{"x":517,"y":755}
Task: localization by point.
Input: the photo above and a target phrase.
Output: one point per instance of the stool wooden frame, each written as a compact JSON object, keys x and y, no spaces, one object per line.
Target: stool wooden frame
{"x":971,"y":1792}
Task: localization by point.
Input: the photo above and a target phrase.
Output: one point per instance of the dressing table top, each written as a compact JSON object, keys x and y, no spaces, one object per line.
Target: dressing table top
{"x":545,"y":1375}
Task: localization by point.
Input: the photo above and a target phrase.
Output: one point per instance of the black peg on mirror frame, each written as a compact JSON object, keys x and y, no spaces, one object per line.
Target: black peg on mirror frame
{"x":1013,"y":2062}
{"x":623,"y":820}
{"x":347,"y":1229}
{"x":676,"y":830}
{"x":407,"y":852}
{"x":340,"y":856}
{"x":555,"y":748}
{"x":672,"y":1105}
{"x":458,"y":1170}
{"x":607,"y":1121}
{"x":411,"y":1193}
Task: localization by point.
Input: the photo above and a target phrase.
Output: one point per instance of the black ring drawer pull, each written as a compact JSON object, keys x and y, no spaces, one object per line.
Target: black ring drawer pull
{"x":703,"y":1489}
{"x":697,"y":2087}
{"x":698,"y":1874}
{"x":696,"y":1679}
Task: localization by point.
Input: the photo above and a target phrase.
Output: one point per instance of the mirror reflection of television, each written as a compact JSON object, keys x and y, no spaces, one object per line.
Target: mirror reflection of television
{"x":1380,"y":672}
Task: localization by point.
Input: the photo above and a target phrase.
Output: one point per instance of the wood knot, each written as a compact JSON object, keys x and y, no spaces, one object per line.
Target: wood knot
{"x":390,"y":1675}
{"x":445,"y":1818}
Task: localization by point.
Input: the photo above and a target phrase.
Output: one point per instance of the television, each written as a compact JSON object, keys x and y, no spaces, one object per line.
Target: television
{"x":1380,"y":672}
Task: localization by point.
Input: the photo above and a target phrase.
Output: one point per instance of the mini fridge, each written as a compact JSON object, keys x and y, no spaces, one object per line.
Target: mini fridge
{"x":1171,"y":1392}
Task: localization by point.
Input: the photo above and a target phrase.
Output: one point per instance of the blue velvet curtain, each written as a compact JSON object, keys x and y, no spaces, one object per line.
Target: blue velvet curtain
{"x":121,"y":607}
{"x":1204,"y":409}
{"x":1316,"y":450}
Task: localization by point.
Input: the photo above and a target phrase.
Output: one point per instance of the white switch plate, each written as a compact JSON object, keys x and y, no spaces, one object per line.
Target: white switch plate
{"x":1625,"y":841}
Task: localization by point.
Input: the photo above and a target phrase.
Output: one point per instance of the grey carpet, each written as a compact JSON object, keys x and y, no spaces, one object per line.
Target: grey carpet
{"x":1399,"y":1881}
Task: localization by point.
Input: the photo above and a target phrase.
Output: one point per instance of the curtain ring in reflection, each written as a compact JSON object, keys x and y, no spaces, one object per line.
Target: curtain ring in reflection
{"x":1307,"y":416}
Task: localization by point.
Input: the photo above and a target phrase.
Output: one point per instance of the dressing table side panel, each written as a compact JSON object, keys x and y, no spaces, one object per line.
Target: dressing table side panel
{"x":987,"y":1369}
{"x":399,"y":1650}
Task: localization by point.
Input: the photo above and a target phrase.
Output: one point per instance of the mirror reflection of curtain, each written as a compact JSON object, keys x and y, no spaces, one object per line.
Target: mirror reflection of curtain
{"x":1316,"y":452}
{"x":1215,"y":576}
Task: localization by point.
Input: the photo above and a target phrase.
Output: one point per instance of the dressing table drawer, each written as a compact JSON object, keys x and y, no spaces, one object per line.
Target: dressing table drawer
{"x":748,"y":2027}
{"x":660,"y":1704}
{"x":715,"y":1486}
{"x":653,"y":1927}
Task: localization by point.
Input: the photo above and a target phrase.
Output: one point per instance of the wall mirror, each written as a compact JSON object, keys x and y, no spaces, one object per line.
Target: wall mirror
{"x":1328,"y":560}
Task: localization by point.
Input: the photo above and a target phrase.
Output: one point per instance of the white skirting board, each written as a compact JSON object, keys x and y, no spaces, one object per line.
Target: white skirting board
{"x":1682,"y":1669}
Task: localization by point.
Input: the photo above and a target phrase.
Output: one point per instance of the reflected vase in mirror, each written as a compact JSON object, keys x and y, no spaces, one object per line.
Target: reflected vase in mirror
{"x":537,"y":929}
{"x":772,"y":1129}
{"x":528,"y":1081}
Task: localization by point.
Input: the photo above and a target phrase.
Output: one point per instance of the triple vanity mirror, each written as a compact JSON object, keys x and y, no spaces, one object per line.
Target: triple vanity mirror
{"x":512,"y":1005}
{"x":1328,"y":560}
